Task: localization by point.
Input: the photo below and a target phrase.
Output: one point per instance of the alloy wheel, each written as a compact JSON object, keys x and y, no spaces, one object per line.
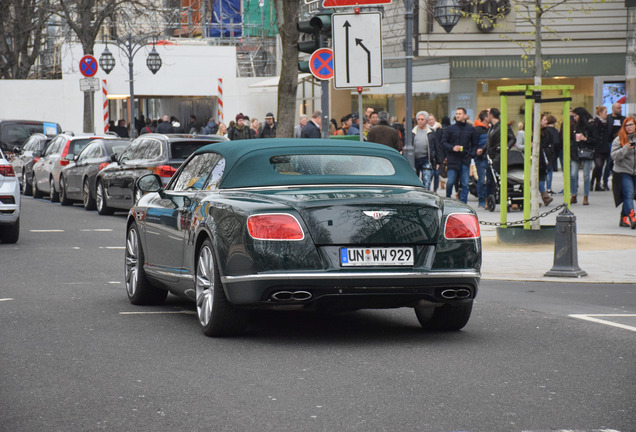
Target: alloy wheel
{"x":99,"y":197}
{"x":86,"y":193}
{"x":132,"y":262}
{"x":205,"y":286}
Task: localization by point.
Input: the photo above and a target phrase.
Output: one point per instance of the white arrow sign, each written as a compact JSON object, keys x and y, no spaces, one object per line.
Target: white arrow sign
{"x":357,"y":50}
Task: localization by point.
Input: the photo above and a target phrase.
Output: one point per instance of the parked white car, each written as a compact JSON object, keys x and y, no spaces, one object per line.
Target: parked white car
{"x":9,"y":202}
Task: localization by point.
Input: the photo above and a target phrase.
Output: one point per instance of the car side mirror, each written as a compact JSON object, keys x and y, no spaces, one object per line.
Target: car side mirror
{"x":149,"y":183}
{"x":113,"y":157}
{"x":17,"y":150}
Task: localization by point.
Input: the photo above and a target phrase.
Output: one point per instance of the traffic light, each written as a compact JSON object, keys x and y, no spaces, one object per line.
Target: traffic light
{"x":315,"y":33}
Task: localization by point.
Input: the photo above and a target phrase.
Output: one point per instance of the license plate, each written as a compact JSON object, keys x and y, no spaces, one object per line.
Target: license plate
{"x":376,"y":256}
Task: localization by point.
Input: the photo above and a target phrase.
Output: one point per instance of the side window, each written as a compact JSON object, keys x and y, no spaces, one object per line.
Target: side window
{"x":30,"y":144}
{"x":127,"y":154}
{"x":54,"y":145}
{"x":140,"y":150}
{"x":154,"y":150}
{"x":88,"y":152}
{"x":194,"y":174}
{"x":215,"y":176}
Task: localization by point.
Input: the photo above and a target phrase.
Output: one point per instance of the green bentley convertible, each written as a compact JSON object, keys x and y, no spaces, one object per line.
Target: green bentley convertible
{"x":301,"y":224}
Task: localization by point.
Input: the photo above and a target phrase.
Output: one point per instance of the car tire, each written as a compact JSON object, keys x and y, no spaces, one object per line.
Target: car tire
{"x":27,"y":189}
{"x":449,"y":317}
{"x":87,"y":198}
{"x":36,"y":191}
{"x":63,"y":198}
{"x":100,"y":201}
{"x":139,"y":290}
{"x":53,"y":195}
{"x":10,"y":233}
{"x":216,"y":315}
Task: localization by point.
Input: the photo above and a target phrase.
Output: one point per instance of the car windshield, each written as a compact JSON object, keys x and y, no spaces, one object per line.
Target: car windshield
{"x":183,"y":149}
{"x":332,"y":165}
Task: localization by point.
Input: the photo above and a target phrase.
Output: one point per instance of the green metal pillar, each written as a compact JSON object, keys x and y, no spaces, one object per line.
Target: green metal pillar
{"x":566,"y":148}
{"x":503,"y":159}
{"x":527,"y":157}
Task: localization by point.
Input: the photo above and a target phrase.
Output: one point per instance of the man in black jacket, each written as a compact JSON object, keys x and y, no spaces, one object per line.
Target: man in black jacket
{"x":460,"y":142}
{"x":312,"y":129}
{"x":240,"y":130}
{"x":268,"y":130}
{"x":614,"y":124}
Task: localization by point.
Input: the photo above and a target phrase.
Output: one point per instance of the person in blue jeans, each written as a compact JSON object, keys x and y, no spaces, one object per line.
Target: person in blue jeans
{"x":481,"y":161}
{"x":460,"y":142}
{"x":624,"y":157}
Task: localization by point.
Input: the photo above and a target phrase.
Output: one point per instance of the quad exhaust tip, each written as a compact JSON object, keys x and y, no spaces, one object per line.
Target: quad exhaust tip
{"x":461,"y":293}
{"x":291,"y":296}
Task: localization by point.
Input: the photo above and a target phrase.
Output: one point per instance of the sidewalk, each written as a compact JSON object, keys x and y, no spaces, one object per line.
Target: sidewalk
{"x":606,"y":251}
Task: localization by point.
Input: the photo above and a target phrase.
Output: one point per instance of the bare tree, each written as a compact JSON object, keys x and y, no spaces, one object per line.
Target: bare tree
{"x":23,"y":29}
{"x":287,"y":17}
{"x":86,"y":19}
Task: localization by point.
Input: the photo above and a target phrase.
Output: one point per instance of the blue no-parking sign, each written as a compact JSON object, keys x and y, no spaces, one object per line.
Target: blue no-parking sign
{"x":88,"y":66}
{"x":321,"y":63}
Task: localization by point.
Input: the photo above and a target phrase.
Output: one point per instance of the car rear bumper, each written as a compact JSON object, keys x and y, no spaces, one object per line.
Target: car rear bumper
{"x":9,"y":202}
{"x":350,"y":289}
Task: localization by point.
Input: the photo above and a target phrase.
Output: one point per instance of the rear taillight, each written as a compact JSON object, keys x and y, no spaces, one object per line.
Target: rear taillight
{"x":461,"y":226}
{"x":63,"y":161}
{"x":274,"y":226}
{"x":102,"y":166}
{"x":35,"y":159}
{"x":7,"y":171}
{"x":164,"y":170}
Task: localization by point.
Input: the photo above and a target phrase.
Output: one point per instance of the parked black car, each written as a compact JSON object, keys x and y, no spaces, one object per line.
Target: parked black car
{"x":77,"y":180}
{"x":23,"y":162}
{"x":14,"y":133}
{"x":150,"y":153}
{"x":46,"y":171}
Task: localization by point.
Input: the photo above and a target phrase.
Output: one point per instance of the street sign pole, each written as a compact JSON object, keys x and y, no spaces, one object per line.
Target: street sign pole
{"x":324,"y":96}
{"x":360,"y":115}
{"x":88,"y":68}
{"x":409,"y":150}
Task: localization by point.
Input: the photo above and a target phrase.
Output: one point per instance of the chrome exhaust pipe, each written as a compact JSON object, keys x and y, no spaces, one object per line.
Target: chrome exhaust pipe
{"x":463,"y":293}
{"x":301,"y":295}
{"x":283,"y":296}
{"x":449,"y":294}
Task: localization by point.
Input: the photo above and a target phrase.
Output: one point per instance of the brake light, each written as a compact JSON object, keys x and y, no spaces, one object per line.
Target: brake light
{"x":63,"y":161}
{"x":36,"y":159}
{"x":461,"y":226}
{"x":164,"y":171}
{"x":274,"y":226}
{"x":102,"y":166}
{"x":7,"y":171}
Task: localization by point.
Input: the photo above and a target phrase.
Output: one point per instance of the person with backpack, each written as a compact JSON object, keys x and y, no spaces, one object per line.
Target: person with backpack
{"x":211,"y":128}
{"x":240,"y":130}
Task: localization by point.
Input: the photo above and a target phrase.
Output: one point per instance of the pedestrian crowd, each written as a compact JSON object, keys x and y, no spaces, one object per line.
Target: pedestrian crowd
{"x":465,"y":151}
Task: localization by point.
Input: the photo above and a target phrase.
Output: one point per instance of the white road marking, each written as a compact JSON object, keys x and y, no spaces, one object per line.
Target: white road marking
{"x":159,"y":313}
{"x":47,"y":231}
{"x":114,"y":282}
{"x":5,"y":299}
{"x":98,"y":230}
{"x":112,"y":247}
{"x":592,"y":318}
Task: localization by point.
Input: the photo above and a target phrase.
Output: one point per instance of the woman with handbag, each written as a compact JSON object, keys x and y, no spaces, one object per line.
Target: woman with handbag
{"x":624,"y":156}
{"x":583,"y":141}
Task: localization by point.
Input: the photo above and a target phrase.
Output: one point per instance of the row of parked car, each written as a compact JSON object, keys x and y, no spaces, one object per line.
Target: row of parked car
{"x":99,"y":171}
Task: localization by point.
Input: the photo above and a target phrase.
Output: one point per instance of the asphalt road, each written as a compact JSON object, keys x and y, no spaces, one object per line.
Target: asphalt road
{"x":76,"y":356}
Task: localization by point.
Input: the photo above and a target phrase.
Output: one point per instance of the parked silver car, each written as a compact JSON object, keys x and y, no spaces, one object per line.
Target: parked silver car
{"x":9,"y":202}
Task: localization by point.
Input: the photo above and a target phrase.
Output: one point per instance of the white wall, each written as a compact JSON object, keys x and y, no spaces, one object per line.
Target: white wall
{"x":187,"y":70}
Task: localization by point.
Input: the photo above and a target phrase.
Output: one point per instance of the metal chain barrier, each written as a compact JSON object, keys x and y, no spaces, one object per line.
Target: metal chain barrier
{"x":521,"y":222}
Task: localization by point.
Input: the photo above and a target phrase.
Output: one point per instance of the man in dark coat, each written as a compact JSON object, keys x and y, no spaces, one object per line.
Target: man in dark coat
{"x":312,"y":129}
{"x":614,"y":124}
{"x":165,"y":127}
{"x":383,"y":133}
{"x":240,"y":130}
{"x":460,"y":142}
{"x":268,"y":130}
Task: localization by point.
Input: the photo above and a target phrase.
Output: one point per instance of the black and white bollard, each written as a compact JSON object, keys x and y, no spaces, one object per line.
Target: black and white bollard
{"x":566,"y":261}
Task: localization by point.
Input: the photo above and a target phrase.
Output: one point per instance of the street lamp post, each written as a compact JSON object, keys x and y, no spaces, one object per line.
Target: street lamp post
{"x":131,"y":45}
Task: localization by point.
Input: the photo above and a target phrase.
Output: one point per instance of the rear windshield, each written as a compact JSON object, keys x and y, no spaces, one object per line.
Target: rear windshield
{"x":332,"y":165}
{"x":15,"y":134}
{"x":183,"y":149}
{"x":78,"y":145}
